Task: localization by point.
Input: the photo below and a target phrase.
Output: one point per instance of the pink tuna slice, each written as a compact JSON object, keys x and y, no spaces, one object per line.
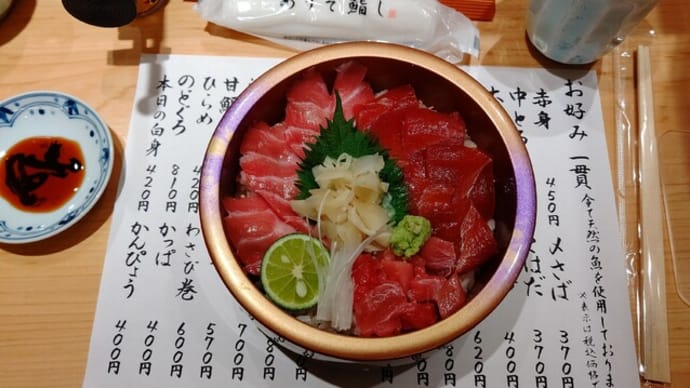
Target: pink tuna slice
{"x":283,"y":186}
{"x":252,"y":226}
{"x":268,"y":141}
{"x":309,"y":102}
{"x":350,"y":85}
{"x":254,"y":163}
{"x":295,"y":137}
{"x":282,"y":208}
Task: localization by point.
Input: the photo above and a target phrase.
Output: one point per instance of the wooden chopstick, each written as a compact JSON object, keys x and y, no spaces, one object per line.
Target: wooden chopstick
{"x":654,"y":339}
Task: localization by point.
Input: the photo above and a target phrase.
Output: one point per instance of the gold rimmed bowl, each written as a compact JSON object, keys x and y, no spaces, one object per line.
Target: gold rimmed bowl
{"x":437,"y":83}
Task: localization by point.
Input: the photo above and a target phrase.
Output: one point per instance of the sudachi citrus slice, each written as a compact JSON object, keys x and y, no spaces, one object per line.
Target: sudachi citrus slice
{"x":290,"y":270}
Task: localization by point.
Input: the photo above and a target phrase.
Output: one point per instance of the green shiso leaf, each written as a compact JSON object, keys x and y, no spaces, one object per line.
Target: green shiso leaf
{"x":341,"y":136}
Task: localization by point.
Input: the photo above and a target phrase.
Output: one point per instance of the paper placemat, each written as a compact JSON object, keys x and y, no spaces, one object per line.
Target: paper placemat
{"x":165,"y":319}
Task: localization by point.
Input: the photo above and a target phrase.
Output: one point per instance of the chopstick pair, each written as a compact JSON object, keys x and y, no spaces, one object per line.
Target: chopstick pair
{"x":654,"y":351}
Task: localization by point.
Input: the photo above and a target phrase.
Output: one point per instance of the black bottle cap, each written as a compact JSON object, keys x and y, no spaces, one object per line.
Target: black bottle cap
{"x":102,"y":13}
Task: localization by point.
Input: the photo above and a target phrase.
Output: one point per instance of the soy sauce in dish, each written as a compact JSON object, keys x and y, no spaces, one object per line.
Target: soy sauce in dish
{"x":40,"y":174}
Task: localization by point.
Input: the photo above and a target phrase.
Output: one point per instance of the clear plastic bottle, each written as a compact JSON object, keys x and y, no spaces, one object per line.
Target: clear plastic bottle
{"x":5,"y":6}
{"x":582,"y":31}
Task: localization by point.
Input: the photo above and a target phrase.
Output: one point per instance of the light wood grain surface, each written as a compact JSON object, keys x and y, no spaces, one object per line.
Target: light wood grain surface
{"x":48,"y":290}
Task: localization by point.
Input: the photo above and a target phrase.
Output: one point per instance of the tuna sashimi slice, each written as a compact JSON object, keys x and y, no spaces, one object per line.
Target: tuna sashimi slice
{"x":351,"y":87}
{"x":261,"y":172}
{"x":377,"y":300}
{"x":387,"y":129}
{"x":392,"y":296}
{"x":444,"y":207}
{"x":450,"y":297}
{"x":441,"y":203}
{"x":389,"y":100}
{"x":440,"y":256}
{"x":398,"y":97}
{"x":423,"y":127}
{"x":366,"y":274}
{"x":399,"y":271}
{"x":424,"y":288}
{"x":446,"y":293}
{"x":296,"y":137}
{"x":483,"y":193}
{"x":282,"y":208}
{"x":455,"y":164}
{"x":414,"y":172}
{"x":415,"y":316}
{"x":254,"y":163}
{"x":283,"y":186}
{"x":378,"y":312}
{"x":477,"y":242}
{"x":309,"y":102}
{"x":252,"y":226}
{"x":269,"y":141}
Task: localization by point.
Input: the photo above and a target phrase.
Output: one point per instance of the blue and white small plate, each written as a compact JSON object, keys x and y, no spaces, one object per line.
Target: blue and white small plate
{"x":54,"y":114}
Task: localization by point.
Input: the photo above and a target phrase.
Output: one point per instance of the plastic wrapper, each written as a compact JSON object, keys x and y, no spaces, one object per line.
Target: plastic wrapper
{"x":674,"y":151}
{"x":635,"y":140}
{"x":301,"y":24}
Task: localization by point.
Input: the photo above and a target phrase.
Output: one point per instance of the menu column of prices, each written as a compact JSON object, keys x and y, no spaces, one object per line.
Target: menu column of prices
{"x":164,"y":317}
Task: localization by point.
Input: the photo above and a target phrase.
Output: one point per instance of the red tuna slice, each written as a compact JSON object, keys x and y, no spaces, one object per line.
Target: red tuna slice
{"x":483,"y":193}
{"x":377,"y":311}
{"x":413,"y":165}
{"x":415,"y":316}
{"x":450,"y":297}
{"x":447,"y":224}
{"x":423,"y":127}
{"x":441,"y":203}
{"x":440,"y":256}
{"x":477,"y":242}
{"x":270,"y":141}
{"x":447,"y":294}
{"x":381,"y":306}
{"x":309,"y":102}
{"x":385,"y":119}
{"x":398,"y":271}
{"x":366,"y":274}
{"x":351,"y":87}
{"x":424,"y":287}
{"x":455,"y":164}
{"x":449,"y":231}
{"x":252,"y":226}
{"x":392,"y":99}
{"x":414,"y":173}
{"x":387,"y":130}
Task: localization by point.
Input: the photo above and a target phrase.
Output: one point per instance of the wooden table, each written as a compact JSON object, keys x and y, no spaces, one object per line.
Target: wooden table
{"x":48,"y":290}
